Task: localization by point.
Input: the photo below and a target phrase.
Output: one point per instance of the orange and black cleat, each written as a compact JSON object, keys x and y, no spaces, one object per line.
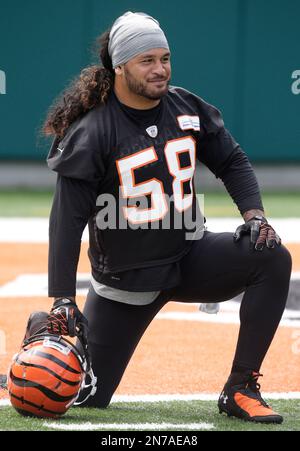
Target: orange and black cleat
{"x":241,"y":398}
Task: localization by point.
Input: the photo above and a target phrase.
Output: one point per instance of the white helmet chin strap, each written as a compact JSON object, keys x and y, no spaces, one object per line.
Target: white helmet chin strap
{"x":92,"y":386}
{"x":87,"y":367}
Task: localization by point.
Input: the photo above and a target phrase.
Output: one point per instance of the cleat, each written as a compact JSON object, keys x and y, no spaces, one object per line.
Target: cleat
{"x":241,"y":398}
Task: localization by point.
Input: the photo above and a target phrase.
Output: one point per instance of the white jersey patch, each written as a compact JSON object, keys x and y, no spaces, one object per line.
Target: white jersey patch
{"x":187,"y":122}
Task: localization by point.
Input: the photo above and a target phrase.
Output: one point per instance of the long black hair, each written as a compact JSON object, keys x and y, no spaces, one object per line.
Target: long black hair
{"x":89,"y":89}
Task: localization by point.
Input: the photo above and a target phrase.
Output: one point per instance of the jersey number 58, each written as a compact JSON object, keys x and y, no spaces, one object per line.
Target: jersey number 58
{"x":155,"y":188}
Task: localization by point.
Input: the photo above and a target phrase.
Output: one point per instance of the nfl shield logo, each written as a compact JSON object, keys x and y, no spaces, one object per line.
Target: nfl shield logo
{"x":152,"y":131}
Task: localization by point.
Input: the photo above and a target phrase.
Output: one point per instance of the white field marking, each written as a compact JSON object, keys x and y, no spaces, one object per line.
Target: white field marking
{"x":194,"y":397}
{"x":4,"y":402}
{"x":131,"y":426}
{"x":287,"y":228}
{"x":181,"y":397}
{"x":224,"y":317}
{"x":36,"y":284}
{"x":27,"y":230}
{"x":29,"y":285}
{"x":35,"y":230}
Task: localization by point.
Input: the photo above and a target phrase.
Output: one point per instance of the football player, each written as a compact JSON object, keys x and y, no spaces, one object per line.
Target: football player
{"x":125,"y":149}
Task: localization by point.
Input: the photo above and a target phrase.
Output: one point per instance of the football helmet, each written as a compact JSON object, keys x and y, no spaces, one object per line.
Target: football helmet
{"x":46,"y":376}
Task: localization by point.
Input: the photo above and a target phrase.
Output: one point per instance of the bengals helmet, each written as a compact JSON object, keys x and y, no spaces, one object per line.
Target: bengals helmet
{"x":46,"y":376}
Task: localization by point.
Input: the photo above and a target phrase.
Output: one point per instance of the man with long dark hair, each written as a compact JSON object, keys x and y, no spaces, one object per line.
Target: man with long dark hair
{"x":125,"y":149}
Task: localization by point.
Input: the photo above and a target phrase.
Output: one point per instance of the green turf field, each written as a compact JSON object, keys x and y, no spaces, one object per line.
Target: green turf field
{"x":38,"y":204}
{"x":157,"y":413}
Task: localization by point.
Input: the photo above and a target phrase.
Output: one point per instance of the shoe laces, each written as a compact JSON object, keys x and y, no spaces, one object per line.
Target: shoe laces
{"x":252,"y":382}
{"x":254,"y":386}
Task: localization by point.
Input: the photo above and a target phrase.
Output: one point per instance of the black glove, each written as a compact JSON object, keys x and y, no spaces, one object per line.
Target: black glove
{"x":261,"y":233}
{"x":65,"y":318}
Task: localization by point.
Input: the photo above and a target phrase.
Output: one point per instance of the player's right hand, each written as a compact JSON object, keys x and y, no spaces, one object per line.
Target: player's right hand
{"x":65,"y":318}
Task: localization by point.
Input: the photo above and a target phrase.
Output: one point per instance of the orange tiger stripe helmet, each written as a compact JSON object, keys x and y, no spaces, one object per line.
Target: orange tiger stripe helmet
{"x":46,"y":376}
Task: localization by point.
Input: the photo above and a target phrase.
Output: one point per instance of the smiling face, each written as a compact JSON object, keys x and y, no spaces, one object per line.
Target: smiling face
{"x":144,"y":78}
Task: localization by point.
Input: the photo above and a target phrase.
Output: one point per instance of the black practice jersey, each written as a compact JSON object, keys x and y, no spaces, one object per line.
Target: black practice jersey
{"x":144,"y":163}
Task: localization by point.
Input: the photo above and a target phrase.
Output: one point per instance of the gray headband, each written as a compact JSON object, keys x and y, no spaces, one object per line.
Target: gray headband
{"x":132,"y":34}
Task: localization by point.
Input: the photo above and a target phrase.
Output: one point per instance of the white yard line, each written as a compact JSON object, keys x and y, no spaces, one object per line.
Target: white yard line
{"x":125,"y":426}
{"x":4,"y":402}
{"x":26,"y":230}
{"x":35,"y":230}
{"x":194,"y":397}
{"x":30,"y":285}
{"x":287,"y":228}
{"x":225,"y":317}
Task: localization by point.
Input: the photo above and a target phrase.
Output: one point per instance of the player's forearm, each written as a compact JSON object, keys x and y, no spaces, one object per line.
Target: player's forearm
{"x":241,"y":183}
{"x":69,"y":216}
{"x":64,"y":254}
{"x":64,"y":251}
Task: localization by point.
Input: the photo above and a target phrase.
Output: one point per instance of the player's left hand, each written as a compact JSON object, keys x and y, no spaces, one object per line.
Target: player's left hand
{"x":261,"y":233}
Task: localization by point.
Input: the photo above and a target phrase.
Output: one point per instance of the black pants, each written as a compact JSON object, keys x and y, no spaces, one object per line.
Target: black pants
{"x":215,"y":270}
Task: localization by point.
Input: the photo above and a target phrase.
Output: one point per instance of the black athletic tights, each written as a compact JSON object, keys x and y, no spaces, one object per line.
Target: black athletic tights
{"x":216,"y":269}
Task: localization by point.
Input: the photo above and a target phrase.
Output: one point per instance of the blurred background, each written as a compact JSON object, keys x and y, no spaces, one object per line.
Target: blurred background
{"x":240,"y":55}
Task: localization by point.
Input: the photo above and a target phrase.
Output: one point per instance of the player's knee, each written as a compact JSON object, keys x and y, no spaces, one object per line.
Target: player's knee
{"x":281,"y":254}
{"x":278,"y":259}
{"x":286,"y":254}
{"x":284,"y":258}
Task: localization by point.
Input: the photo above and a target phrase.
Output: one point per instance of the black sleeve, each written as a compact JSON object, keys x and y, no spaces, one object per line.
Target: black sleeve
{"x":73,"y":204}
{"x":80,"y":153}
{"x":240,"y":181}
{"x":215,"y":149}
{"x":224,"y":157}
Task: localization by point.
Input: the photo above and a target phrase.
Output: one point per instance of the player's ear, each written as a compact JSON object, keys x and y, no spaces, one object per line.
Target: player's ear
{"x":118,"y":70}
